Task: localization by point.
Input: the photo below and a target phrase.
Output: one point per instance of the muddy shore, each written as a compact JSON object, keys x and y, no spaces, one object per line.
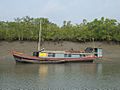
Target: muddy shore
{"x":111,"y":52}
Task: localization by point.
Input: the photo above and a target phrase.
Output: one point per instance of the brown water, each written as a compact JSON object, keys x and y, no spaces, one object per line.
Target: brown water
{"x":100,"y":75}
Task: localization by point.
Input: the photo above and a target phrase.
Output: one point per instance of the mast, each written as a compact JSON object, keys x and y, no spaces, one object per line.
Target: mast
{"x":93,"y":43}
{"x":39,"y":42}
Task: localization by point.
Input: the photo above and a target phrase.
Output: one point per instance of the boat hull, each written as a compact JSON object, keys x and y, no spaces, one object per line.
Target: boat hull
{"x":22,"y":58}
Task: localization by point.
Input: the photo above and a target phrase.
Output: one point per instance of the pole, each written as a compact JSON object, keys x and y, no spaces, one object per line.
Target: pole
{"x":93,"y":43}
{"x":40,"y":28}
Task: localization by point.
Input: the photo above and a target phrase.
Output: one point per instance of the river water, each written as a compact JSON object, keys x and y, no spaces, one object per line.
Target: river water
{"x":100,"y":75}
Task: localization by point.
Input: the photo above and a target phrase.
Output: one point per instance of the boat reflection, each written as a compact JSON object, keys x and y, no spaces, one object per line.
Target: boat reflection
{"x":99,"y":69}
{"x":43,"y":70}
{"x":46,"y":70}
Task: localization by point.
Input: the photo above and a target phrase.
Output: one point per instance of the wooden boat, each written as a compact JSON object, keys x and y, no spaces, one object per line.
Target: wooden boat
{"x":42,"y":56}
{"x":57,"y":56}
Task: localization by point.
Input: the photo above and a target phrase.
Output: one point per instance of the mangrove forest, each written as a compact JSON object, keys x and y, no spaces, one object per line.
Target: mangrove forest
{"x":27,"y":28}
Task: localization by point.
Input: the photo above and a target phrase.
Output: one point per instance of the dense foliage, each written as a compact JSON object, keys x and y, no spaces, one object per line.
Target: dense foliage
{"x":27,"y":28}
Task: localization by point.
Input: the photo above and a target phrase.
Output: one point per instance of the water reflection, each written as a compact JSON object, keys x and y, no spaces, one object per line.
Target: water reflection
{"x":99,"y":68}
{"x":59,"y":75}
{"x":43,"y":71}
{"x":69,"y":74}
{"x":46,"y":70}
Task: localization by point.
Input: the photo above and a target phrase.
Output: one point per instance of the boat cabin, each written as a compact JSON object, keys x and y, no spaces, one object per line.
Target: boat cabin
{"x":61,"y":54}
{"x":66,"y":54}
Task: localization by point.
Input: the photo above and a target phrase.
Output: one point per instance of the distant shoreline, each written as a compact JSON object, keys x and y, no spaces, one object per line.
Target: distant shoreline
{"x":27,"y":28}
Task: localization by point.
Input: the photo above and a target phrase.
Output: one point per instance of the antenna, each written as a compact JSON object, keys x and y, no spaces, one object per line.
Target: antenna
{"x":39,"y":42}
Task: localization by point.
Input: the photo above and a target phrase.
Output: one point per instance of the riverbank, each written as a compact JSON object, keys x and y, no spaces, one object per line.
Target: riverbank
{"x":110,"y":51}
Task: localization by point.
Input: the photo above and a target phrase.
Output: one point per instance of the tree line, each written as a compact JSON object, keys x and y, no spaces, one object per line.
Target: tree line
{"x":27,"y":28}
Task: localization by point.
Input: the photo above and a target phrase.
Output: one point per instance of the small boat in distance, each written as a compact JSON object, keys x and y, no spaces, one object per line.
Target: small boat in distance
{"x":43,"y":56}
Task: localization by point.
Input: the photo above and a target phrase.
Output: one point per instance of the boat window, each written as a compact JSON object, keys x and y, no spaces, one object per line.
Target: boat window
{"x":51,"y":55}
{"x":67,"y":55}
{"x":82,"y":55}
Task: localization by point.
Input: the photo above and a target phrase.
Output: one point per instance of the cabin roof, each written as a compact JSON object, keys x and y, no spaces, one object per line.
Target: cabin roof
{"x":54,"y":51}
{"x":66,"y":52}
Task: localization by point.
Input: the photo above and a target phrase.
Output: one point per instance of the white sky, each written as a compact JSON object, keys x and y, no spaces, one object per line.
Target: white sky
{"x":59,"y":10}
